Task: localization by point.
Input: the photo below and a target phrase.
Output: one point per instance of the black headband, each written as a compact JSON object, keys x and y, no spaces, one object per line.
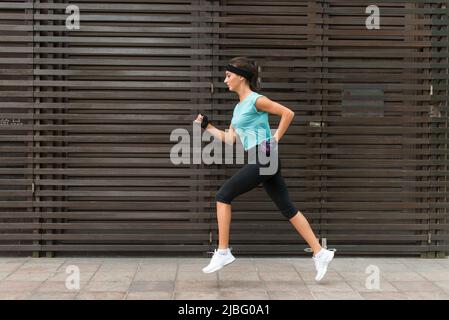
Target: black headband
{"x":246,"y":74}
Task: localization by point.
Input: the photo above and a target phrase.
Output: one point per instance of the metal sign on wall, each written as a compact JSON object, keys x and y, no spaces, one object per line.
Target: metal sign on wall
{"x":88,"y":106}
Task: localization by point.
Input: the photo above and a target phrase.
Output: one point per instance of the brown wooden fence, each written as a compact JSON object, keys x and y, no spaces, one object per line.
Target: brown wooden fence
{"x":86,"y":117}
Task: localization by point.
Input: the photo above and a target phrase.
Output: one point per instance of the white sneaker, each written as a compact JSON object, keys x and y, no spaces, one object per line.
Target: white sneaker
{"x":218,"y":261}
{"x":322,"y":262}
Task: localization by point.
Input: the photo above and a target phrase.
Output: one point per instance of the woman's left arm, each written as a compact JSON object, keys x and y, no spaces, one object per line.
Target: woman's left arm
{"x":267,"y":105}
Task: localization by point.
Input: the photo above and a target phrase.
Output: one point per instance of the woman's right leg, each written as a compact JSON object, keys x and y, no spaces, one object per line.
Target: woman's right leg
{"x":244,"y":180}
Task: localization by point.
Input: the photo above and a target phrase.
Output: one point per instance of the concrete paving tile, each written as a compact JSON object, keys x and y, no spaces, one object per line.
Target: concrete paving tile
{"x":274,"y":259}
{"x":361,"y":286}
{"x":311,"y":268}
{"x":241,"y":285}
{"x":330,"y":295}
{"x":52,"y":296}
{"x":147,"y":286}
{"x":309,"y":277}
{"x":403,"y":276}
{"x":327,"y":286}
{"x":384,"y":296}
{"x":84,"y":260}
{"x":159,"y":260}
{"x":290,"y":295}
{"x":163,"y":275}
{"x":444,"y":285}
{"x":192,"y":267}
{"x":41,"y":267}
{"x":120,"y":260}
{"x":3,"y":275}
{"x":195,"y":260}
{"x":392,"y":267}
{"x":415,"y":286}
{"x":83,"y":267}
{"x":54,"y":260}
{"x":349,"y":266}
{"x":197,"y":275}
{"x":28,"y":276}
{"x":197,"y":295}
{"x":241,"y":266}
{"x":107,"y":286}
{"x":14,"y":259}
{"x":353,"y":276}
{"x":15,"y":295}
{"x":58,"y":286}
{"x":101,"y":296}
{"x":149,"y":295}
{"x":279,"y":276}
{"x":443,"y":262}
{"x":62,"y":276}
{"x":302,"y":261}
{"x":297,"y":286}
{"x":118,"y":268}
{"x":242,"y":295}
{"x":426,"y":295}
{"x":238,"y":276}
{"x":424,"y":265}
{"x":113,"y":276}
{"x":435,"y":275}
{"x":12,"y":286}
{"x":373,"y":260}
{"x":157,"y":268}
{"x":10,"y":267}
{"x":286,"y":266}
{"x":193,"y":285}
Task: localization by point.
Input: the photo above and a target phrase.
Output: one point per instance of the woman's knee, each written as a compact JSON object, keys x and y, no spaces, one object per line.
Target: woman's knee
{"x":289,"y":211}
{"x":223,"y":196}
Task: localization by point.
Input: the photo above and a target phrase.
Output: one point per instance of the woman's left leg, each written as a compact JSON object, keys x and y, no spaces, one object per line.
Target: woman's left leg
{"x":277,"y":190}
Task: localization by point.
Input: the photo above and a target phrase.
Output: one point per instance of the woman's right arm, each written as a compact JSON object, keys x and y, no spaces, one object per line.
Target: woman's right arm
{"x":227,"y":137}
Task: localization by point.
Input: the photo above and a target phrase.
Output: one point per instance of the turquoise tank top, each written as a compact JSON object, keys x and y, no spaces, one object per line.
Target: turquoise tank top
{"x":251,"y":125}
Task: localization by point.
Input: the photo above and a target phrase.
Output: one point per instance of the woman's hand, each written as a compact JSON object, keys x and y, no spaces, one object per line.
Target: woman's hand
{"x":199,"y":119}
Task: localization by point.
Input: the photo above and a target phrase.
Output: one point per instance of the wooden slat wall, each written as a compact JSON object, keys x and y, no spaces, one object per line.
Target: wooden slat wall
{"x":365,"y":158}
{"x":110,"y":95}
{"x":439,"y":129}
{"x":375,"y":171}
{"x":19,"y":225}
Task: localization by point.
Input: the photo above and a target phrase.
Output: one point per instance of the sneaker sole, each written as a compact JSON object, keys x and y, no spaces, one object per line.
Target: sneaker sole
{"x":220,"y":267}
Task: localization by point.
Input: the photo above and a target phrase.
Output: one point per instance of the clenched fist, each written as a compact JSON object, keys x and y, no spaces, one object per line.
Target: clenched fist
{"x":199,"y":119}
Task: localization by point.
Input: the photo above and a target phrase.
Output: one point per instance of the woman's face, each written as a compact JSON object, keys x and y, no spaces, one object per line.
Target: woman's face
{"x":233,"y":80}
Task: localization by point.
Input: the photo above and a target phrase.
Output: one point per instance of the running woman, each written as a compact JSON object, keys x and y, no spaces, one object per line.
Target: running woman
{"x":250,"y":123}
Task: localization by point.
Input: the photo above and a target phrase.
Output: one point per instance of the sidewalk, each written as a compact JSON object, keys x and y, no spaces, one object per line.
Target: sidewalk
{"x":246,"y":278}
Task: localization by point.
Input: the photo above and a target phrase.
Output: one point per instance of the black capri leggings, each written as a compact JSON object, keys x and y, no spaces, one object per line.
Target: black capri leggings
{"x":250,"y":176}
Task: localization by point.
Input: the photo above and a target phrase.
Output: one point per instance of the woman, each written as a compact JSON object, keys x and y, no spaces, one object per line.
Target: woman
{"x":250,"y":122}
